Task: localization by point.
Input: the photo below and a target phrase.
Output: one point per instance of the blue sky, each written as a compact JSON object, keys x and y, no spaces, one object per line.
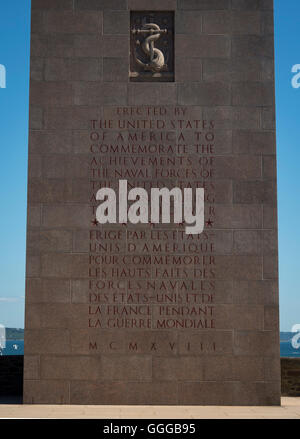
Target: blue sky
{"x":287,"y":54}
{"x":14,"y":55}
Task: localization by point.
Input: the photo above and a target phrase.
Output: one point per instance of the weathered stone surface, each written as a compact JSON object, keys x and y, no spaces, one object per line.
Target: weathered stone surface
{"x":35,"y":170}
{"x":255,"y":192}
{"x":247,"y":242}
{"x":268,"y":118}
{"x":115,"y":22}
{"x":127,"y":368}
{"x":212,"y":94}
{"x":143,"y":5}
{"x":178,"y":368}
{"x":189,"y":70}
{"x":48,"y":291}
{"x":46,"y":392}
{"x":127,"y":393}
{"x":115,"y":70}
{"x":252,"y":4}
{"x":54,"y":94}
{"x":69,"y":69}
{"x":47,"y":190}
{"x":70,"y":22}
{"x":206,"y":46}
{"x":269,"y":167}
{"x":100,"y":94}
{"x":269,"y":217}
{"x":64,"y":265}
{"x":39,"y":341}
{"x":271,"y":267}
{"x":271,"y":318}
{"x":70,"y":368}
{"x":38,"y":44}
{"x":227,"y":70}
{"x":256,"y":94}
{"x":52,"y":4}
{"x":37,"y":68}
{"x":227,"y":117}
{"x":151,"y":93}
{"x":145,"y":313}
{"x":50,"y":240}
{"x":222,"y":22}
{"x":114,"y":46}
{"x":71,"y":117}
{"x":32,"y":367}
{"x":239,"y":216}
{"x":204,"y":5}
{"x":256,"y":343}
{"x":33,"y":265}
{"x":187,"y":21}
{"x":96,"y":5}
{"x":65,"y":215}
{"x":214,"y":393}
{"x":253,"y":142}
{"x":35,"y":118}
{"x":34,"y":215}
{"x":234,"y":368}
{"x":252,"y":45}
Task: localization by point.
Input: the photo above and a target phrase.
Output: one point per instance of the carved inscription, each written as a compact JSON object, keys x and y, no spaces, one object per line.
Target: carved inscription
{"x":151,"y":277}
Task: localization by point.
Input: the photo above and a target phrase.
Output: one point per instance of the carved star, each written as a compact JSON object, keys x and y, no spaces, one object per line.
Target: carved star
{"x":209,"y":223}
{"x":95,"y":222}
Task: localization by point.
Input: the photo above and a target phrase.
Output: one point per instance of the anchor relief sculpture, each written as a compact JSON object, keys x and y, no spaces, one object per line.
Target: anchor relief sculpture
{"x":156,"y":57}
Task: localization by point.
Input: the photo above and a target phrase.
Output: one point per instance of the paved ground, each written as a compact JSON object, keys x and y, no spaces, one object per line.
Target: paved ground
{"x":290,"y":409}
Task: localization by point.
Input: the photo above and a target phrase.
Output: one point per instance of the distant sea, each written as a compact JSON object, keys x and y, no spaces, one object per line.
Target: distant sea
{"x":13,"y":347}
{"x":16,"y":347}
{"x":287,"y":350}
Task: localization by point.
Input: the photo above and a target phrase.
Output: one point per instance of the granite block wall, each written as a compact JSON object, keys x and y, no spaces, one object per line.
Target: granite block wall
{"x":197,"y":323}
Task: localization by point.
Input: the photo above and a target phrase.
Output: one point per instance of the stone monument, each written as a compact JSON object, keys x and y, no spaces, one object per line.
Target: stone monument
{"x":127,"y":96}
